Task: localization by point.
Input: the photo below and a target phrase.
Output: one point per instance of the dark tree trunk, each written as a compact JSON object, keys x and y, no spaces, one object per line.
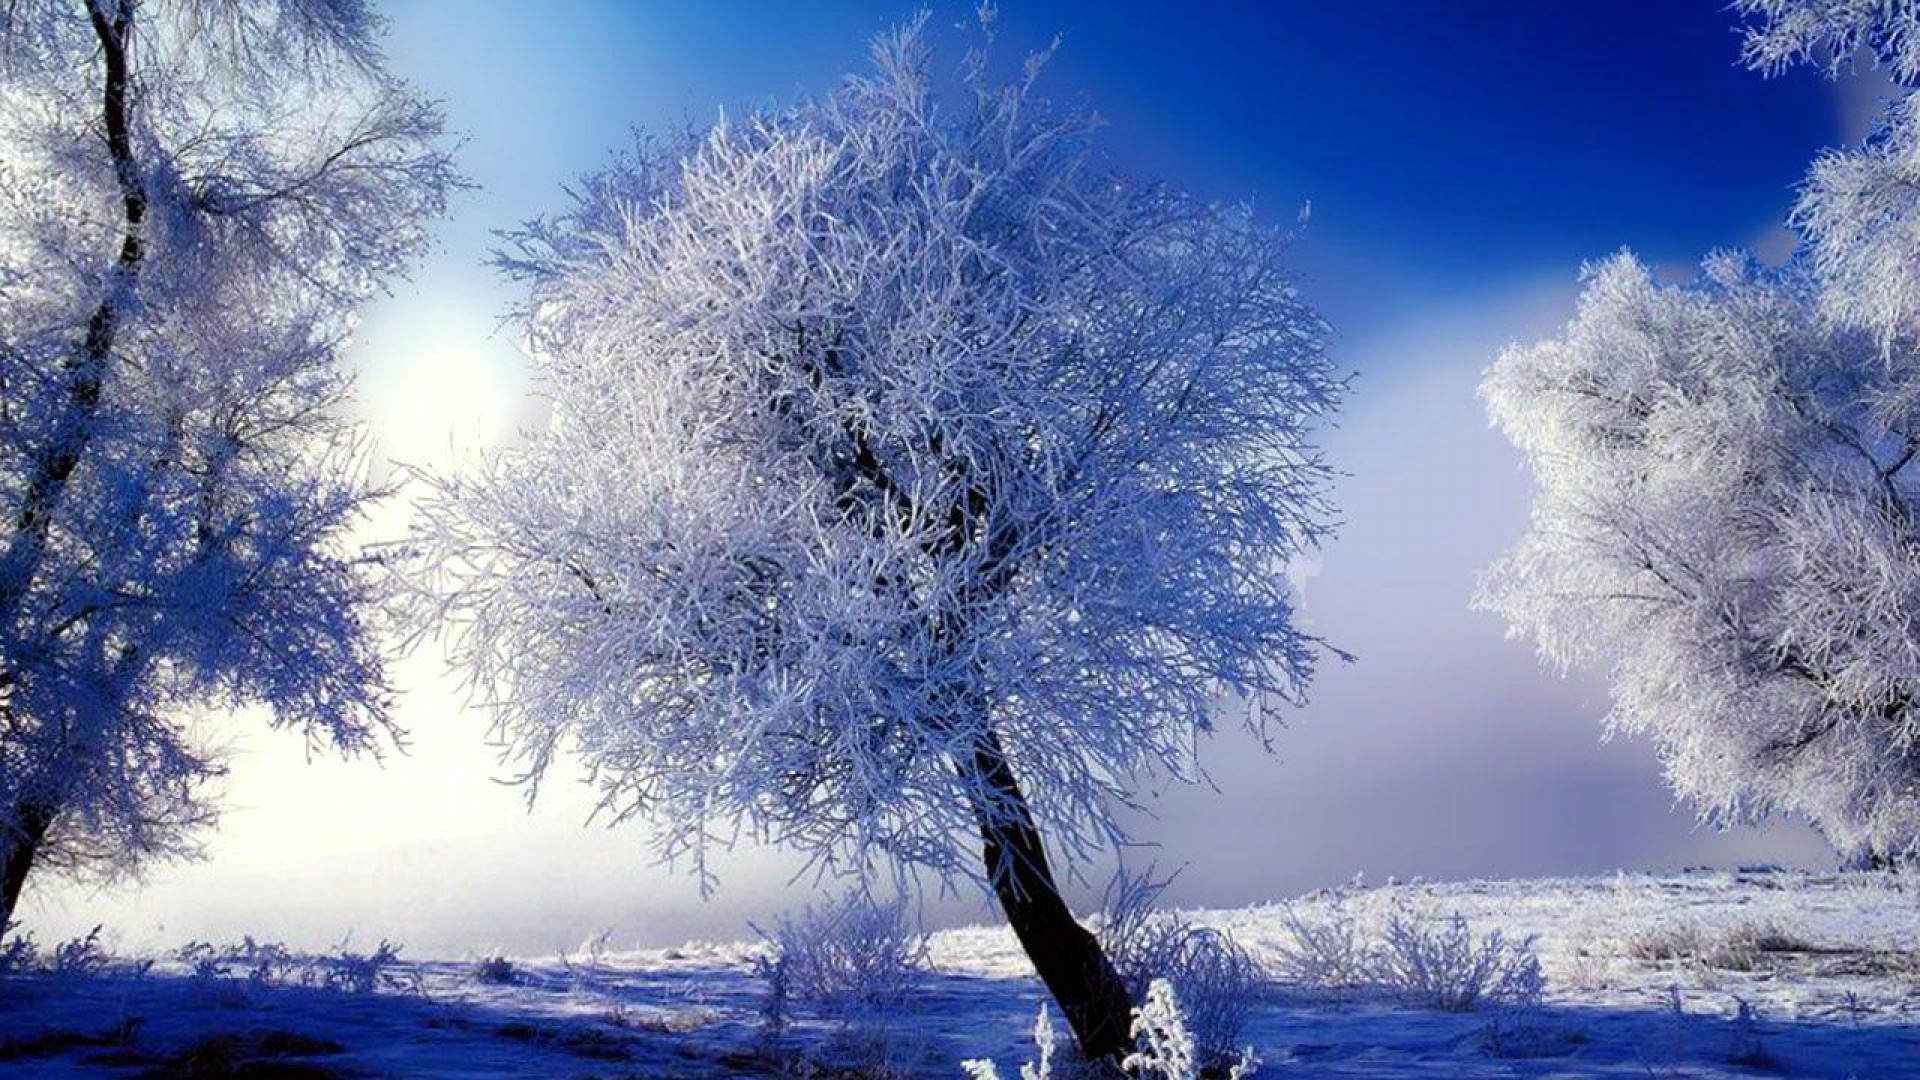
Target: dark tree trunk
{"x":22,"y":846}
{"x":1068,"y":959}
{"x":55,"y":461}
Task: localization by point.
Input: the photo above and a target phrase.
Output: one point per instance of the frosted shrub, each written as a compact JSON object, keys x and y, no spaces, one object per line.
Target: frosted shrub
{"x":1745,"y":1045}
{"x":272,"y":964}
{"x":1663,"y":944}
{"x":777,"y":1002}
{"x":1444,"y":967}
{"x":1327,"y":953}
{"x":18,"y":954}
{"x":267,"y":963}
{"x":496,"y":971}
{"x":1744,"y":946}
{"x":363,"y":973}
{"x":1216,"y":978}
{"x":82,"y":955}
{"x":1043,"y":1041}
{"x":1748,"y":944}
{"x":1164,"y":1045}
{"x":588,"y":970}
{"x":853,"y":952}
{"x":1447,"y":968}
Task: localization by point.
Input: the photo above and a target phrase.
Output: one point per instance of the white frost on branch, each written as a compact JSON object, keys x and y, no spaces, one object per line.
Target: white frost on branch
{"x":1860,"y":214}
{"x":1859,"y":210}
{"x":1725,"y":512}
{"x":885,"y":428}
{"x":1164,"y":1048}
{"x":1043,"y":1041}
{"x":1831,"y":33}
{"x":195,"y":198}
{"x":1724,"y":520}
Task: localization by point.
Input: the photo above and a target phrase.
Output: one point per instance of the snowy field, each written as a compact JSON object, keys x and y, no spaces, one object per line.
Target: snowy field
{"x":1646,"y":977}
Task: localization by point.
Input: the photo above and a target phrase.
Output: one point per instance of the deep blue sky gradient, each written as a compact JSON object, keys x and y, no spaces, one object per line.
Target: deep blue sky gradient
{"x":1441,"y":143}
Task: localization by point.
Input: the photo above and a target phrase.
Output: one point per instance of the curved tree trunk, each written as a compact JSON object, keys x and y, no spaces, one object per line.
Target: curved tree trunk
{"x":33,"y":821}
{"x":54,"y":462}
{"x":1067,"y":958}
{"x":1076,"y":972}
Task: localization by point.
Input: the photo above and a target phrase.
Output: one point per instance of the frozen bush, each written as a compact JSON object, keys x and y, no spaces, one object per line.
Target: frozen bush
{"x":204,"y":962}
{"x":1523,"y":1034}
{"x":272,"y":964}
{"x":1745,"y":1046}
{"x":1327,"y":952}
{"x":1447,"y":968}
{"x":1665,"y":944}
{"x":363,"y":973}
{"x":82,"y":955}
{"x":1444,"y":967}
{"x":1746,"y":945}
{"x":267,"y":963}
{"x":777,"y":1002}
{"x":1216,"y":978}
{"x":1164,"y":1044}
{"x":1742,"y":947}
{"x":851,"y":953}
{"x":590,"y":968}
{"x":18,"y":954}
{"x":1043,"y":1041}
{"x":496,"y":971}
{"x":85,"y":955}
{"x":1164,"y":1047}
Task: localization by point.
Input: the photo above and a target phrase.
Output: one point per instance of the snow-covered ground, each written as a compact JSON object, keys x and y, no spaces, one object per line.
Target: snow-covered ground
{"x":1646,"y":976}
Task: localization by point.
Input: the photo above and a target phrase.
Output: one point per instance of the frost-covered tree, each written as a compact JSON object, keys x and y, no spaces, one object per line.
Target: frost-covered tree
{"x":915,"y":485}
{"x":1727,"y":515}
{"x":1724,"y":520}
{"x":1860,"y":208}
{"x":195,"y":195}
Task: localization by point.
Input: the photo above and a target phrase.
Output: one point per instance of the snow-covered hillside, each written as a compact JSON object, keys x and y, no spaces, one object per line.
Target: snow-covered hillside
{"x":1646,"y":977}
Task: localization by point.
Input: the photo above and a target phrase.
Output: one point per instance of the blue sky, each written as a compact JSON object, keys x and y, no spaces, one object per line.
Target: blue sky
{"x":1440,"y":143}
{"x":1463,"y":158}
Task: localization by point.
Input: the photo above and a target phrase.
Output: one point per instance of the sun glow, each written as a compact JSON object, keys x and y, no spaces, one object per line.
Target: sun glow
{"x":443,"y":388}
